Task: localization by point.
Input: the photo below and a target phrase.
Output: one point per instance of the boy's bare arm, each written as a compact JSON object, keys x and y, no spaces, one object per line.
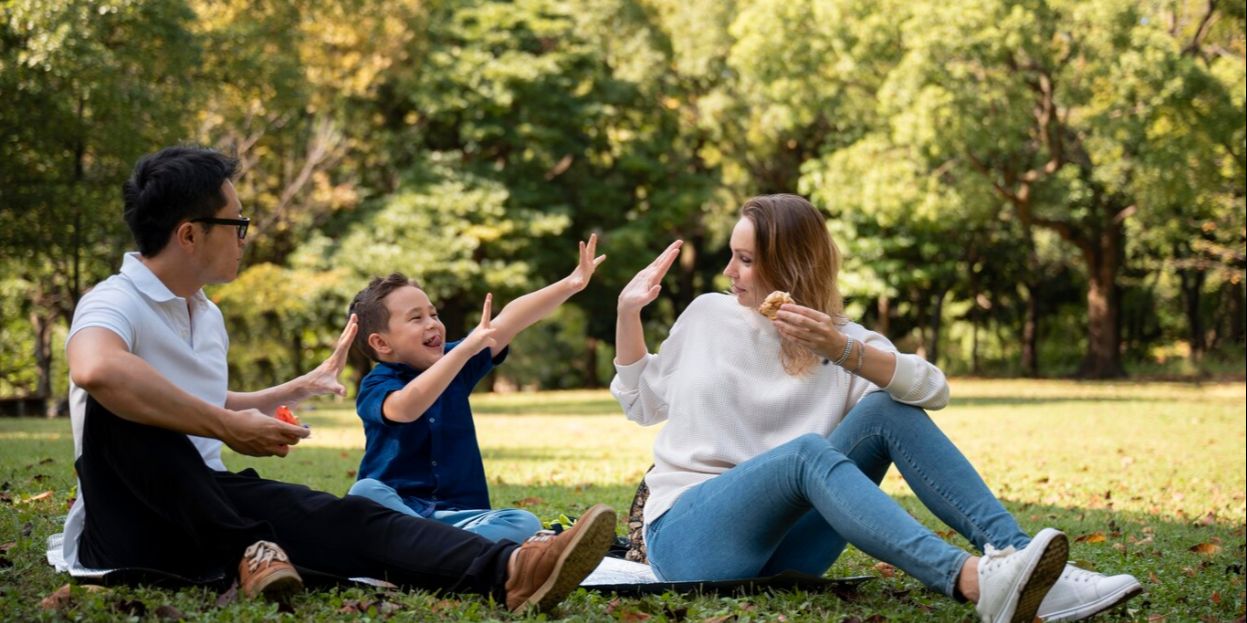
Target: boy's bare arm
{"x":324,"y":379}
{"x":526,"y":310}
{"x":409,"y":403}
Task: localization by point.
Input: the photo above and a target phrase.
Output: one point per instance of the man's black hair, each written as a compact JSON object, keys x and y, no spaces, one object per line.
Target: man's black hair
{"x":173,"y":185}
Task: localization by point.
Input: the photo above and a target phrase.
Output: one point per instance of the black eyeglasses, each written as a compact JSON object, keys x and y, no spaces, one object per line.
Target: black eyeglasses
{"x":241,"y":223}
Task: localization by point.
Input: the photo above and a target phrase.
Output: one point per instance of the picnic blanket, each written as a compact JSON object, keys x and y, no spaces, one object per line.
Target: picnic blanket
{"x":613,"y":575}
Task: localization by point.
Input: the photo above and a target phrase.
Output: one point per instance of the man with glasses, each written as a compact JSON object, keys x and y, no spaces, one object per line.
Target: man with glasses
{"x":151,"y":411}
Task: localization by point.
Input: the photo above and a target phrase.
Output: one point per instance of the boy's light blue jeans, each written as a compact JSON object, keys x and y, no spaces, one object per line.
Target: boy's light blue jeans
{"x":796,"y":506}
{"x":512,"y":524}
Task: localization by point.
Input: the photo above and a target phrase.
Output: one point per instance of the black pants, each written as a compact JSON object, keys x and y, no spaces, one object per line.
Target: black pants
{"x":153,"y":503}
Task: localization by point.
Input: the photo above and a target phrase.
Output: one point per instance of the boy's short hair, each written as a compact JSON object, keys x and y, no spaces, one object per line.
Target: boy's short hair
{"x":369,"y":307}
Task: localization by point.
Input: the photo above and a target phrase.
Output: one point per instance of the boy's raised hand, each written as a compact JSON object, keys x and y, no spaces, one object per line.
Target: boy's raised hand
{"x":482,"y":336}
{"x":579,"y":278}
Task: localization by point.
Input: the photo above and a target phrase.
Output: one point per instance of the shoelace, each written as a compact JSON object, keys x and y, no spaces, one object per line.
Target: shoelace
{"x":263,"y":553}
{"x":541,"y":535}
{"x":993,"y":556}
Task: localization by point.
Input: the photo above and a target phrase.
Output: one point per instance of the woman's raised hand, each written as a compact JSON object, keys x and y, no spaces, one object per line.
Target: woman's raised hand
{"x":646,"y":285}
{"x":810,"y":328}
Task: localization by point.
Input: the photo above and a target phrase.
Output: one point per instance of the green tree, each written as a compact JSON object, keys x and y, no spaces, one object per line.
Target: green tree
{"x":89,"y":86}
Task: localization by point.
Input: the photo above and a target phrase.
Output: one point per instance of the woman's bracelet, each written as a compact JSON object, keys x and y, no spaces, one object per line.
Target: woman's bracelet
{"x":848,"y":349}
{"x":861,"y":356}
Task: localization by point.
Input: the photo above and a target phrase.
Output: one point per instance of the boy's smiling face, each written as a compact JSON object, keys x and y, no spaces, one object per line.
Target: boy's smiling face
{"x":414,"y":335}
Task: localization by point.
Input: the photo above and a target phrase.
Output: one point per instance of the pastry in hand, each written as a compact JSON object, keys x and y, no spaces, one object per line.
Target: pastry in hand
{"x":770,"y":306}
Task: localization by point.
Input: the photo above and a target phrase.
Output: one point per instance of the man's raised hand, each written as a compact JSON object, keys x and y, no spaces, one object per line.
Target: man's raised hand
{"x":324,"y":379}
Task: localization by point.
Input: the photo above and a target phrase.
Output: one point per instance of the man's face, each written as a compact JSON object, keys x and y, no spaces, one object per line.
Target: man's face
{"x":222,"y":249}
{"x":415,"y":335}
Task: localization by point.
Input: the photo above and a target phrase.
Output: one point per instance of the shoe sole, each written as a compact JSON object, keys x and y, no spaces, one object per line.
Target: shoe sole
{"x":1045,"y":573}
{"x":581,"y":556}
{"x":282,"y":586}
{"x":1108,"y":602}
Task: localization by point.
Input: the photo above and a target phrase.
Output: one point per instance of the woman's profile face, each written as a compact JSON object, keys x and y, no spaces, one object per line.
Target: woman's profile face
{"x":747,"y":287}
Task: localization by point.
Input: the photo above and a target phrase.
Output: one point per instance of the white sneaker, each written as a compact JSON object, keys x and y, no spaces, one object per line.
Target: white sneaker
{"x":1012,"y":583}
{"x":1079,"y":594}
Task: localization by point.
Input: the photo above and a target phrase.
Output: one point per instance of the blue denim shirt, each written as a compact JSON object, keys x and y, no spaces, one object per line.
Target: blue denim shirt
{"x":434,"y":463}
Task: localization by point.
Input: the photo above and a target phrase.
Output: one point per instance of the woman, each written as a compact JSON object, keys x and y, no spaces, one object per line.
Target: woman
{"x":779,"y":431}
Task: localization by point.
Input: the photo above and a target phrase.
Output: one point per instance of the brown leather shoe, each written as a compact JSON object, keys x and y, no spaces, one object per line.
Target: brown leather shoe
{"x":549,"y":566}
{"x":265,"y":569}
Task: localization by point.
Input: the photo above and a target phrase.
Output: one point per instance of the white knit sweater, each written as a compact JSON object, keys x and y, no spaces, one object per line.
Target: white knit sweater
{"x":719,"y":383}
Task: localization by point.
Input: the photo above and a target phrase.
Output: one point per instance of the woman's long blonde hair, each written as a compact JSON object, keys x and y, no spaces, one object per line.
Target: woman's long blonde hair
{"x":793,"y":252}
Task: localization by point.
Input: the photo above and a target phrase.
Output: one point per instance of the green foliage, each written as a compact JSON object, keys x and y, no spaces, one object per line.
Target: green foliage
{"x":983,"y":165}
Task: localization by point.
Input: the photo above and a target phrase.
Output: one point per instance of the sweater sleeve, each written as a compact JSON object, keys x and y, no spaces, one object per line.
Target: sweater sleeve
{"x":915,"y":381}
{"x":641,"y":387}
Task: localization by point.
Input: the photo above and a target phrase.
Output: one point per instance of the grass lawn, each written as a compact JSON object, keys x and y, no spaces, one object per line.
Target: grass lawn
{"x":1145,"y":478}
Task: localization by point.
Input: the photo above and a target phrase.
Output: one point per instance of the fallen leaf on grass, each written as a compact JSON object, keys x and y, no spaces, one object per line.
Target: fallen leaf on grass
{"x":1094,"y":537}
{"x":1206,"y":548}
{"x":130,"y":607}
{"x":63,"y":597}
{"x":885,"y":570}
{"x":1155,"y":618}
{"x":169,"y":613}
{"x":229,"y":596}
{"x":1216,"y":597}
{"x":722,"y":618}
{"x":364,"y":606}
{"x":1208,"y":520}
{"x":529,"y":501}
{"x":35,"y":498}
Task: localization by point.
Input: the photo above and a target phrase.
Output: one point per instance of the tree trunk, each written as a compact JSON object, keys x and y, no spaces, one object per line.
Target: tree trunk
{"x":884,"y":305}
{"x":1192,"y":286}
{"x":937,"y":323}
{"x":42,"y":324}
{"x":974,"y":345}
{"x":1238,"y":323}
{"x":1030,"y":333}
{"x":591,"y":380}
{"x":1103,"y":258}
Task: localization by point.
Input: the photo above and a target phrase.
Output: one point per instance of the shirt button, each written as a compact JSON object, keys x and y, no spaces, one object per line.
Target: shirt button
{"x":432,"y":420}
{"x":434,"y":463}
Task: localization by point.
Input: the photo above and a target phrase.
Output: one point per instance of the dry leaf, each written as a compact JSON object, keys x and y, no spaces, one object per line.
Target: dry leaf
{"x":1206,"y":548}
{"x":722,"y":618}
{"x":633,"y":616}
{"x":885,"y":570}
{"x":529,"y":501}
{"x":169,"y":613}
{"x":35,"y":498}
{"x":1094,"y":537}
{"x":1156,"y":618}
{"x":1216,"y":597}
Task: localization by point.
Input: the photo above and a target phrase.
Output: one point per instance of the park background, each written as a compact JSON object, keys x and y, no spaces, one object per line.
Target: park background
{"x":1020,"y":188}
{"x":1044,"y":197}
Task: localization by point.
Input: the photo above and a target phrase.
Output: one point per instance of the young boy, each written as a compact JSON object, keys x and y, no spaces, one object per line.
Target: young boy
{"x":421,"y":456}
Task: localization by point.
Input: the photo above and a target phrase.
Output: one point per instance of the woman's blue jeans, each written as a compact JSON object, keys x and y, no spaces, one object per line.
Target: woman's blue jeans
{"x":796,"y":506}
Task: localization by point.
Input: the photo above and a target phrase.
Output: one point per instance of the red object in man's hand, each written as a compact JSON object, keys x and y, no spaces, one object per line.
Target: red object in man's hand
{"x":286,"y":415}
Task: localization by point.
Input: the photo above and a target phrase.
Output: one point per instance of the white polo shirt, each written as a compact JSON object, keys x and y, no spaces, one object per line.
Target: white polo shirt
{"x":184,"y":339}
